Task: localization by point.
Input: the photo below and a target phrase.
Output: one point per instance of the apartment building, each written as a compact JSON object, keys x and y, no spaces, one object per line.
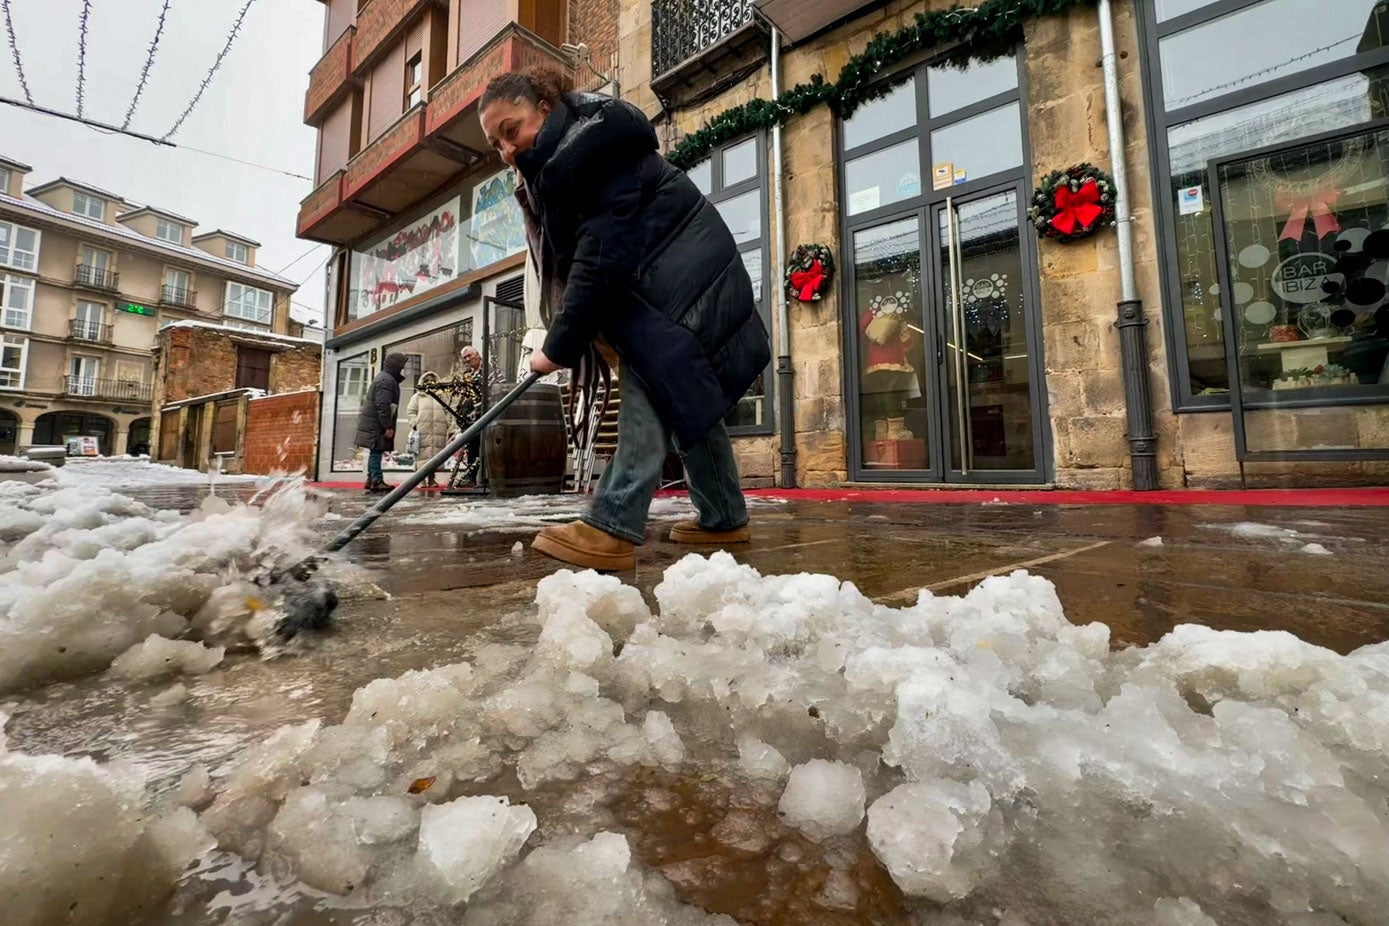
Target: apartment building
{"x":86,"y":280}
{"x":956,"y":345}
{"x":429,"y":235}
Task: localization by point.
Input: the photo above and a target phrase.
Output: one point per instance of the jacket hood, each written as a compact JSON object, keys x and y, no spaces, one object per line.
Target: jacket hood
{"x":585,"y":134}
{"x":394,"y":364}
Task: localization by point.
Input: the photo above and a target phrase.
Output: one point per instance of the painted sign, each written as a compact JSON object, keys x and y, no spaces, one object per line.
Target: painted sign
{"x":416,"y":259}
{"x":498,"y":229}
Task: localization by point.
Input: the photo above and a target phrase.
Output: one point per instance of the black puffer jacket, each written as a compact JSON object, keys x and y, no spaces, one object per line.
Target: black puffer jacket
{"x":647,"y":261}
{"x":380,"y":404}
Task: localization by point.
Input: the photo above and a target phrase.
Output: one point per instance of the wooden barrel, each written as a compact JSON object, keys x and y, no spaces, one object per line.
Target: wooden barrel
{"x":525,"y":449}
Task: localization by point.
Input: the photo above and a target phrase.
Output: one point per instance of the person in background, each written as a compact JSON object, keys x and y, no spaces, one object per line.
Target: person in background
{"x":376,"y":421}
{"x":431,"y":421}
{"x":632,"y":256}
{"x":469,"y":363}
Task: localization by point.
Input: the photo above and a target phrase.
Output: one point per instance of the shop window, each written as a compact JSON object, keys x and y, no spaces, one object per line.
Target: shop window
{"x":353,"y":378}
{"x":1309,"y":291}
{"x":734,"y":180}
{"x":1295,"y":77}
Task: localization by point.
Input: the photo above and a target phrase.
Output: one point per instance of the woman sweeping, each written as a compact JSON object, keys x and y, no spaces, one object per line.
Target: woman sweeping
{"x":632,"y":256}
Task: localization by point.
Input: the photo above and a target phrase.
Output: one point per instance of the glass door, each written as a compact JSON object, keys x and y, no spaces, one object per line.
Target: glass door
{"x":986,"y":313}
{"x":82,"y":376}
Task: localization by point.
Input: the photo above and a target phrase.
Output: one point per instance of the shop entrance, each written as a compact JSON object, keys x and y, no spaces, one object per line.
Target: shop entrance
{"x":942,"y":324}
{"x":948,"y":391}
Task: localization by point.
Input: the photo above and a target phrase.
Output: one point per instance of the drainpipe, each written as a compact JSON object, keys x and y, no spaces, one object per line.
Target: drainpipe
{"x":1133,"y":335}
{"x":784,"y":372}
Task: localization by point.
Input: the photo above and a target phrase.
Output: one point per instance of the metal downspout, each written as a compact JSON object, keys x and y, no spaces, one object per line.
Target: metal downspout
{"x":785,"y":374}
{"x":1133,"y":343}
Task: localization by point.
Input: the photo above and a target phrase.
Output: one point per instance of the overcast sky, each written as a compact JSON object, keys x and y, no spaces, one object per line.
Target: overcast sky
{"x":253,"y":111}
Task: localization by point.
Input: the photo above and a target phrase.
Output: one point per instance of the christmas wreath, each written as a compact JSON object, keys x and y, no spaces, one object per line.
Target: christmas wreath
{"x":809,"y":272}
{"x":1073,"y":204}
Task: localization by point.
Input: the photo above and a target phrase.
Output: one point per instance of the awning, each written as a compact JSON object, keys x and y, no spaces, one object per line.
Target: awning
{"x":800,"y":19}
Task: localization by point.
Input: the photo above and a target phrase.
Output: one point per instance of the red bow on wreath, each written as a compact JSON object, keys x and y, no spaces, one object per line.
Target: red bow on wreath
{"x":1077,"y":208}
{"x":807,"y":282}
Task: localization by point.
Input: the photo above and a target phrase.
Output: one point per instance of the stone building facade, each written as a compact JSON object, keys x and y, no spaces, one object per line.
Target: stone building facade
{"x":86,"y":280}
{"x":1248,"y":374}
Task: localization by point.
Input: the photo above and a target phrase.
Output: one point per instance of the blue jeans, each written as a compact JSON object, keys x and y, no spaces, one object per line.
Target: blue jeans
{"x":374,"y":473}
{"x":623,"y":498}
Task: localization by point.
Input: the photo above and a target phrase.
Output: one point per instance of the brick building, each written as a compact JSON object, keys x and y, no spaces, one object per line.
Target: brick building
{"x":247,"y":400}
{"x":86,"y":279}
{"x":430,"y":238}
{"x":1258,"y":162}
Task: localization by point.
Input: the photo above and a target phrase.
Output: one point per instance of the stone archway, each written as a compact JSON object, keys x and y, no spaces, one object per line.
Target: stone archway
{"x":138,"y":441}
{"x":54,"y":428}
{"x":9,"y":433}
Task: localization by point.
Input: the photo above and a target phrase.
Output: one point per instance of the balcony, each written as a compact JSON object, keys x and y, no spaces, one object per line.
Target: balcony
{"x":331,"y":79}
{"x":91,"y":332}
{"x":178,"y":298}
{"x":452,"y":117}
{"x":380,"y":23}
{"x":424,"y":149}
{"x":87,"y":387}
{"x":96,"y":278}
{"x":696,"y":44}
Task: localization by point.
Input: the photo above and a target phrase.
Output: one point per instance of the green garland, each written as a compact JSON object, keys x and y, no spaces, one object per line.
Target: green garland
{"x":985,"y":32}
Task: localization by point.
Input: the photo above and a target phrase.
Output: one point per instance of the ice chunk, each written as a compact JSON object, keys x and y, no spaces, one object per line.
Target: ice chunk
{"x":76,"y":844}
{"x":666,"y":746}
{"x":1180,"y":912}
{"x":158,"y":656}
{"x":174,"y":694}
{"x":760,"y":760}
{"x":320,"y":838}
{"x":1316,"y":549}
{"x":381,"y":819}
{"x":823,"y":799}
{"x":468,"y":841}
{"x":928,"y":836}
{"x":1151,"y":542}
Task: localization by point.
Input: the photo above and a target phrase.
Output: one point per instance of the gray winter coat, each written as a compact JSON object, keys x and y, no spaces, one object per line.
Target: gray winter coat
{"x":379,"y":406}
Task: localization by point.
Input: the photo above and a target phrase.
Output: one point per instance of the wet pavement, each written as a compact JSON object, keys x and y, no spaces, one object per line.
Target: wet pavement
{"x":452,"y":580}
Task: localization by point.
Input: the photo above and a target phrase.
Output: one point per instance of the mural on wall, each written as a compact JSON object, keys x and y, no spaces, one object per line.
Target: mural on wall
{"x":498,"y":231}
{"x":417,"y":258}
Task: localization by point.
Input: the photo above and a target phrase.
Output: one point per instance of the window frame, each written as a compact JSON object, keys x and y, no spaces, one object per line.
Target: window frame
{"x":8,"y":283}
{"x":414,"y":86}
{"x":1158,"y":122}
{"x":12,"y":247}
{"x":89,"y":199}
{"x":4,"y":181}
{"x":164,"y":281}
{"x":73,"y":361}
{"x":235,"y":248}
{"x":100,"y":317}
{"x":9,"y":340}
{"x":718,"y":193}
{"x":160,"y":225}
{"x":227,"y":303}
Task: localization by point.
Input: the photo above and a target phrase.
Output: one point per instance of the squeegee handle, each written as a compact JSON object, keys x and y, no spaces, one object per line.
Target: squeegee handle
{"x":440,"y":459}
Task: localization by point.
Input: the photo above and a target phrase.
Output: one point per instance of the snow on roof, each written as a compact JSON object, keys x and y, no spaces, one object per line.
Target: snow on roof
{"x":17,"y":165}
{"x":280,"y":395}
{"x":32,"y":205}
{"x":240,"y":332}
{"x":211,"y":396}
{"x":230,"y":236}
{"x":77,"y":185}
{"x":155,"y":210}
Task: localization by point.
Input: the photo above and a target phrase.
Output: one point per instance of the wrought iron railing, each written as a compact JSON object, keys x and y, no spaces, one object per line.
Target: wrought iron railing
{"x":82,"y":330}
{"x":173,"y":295}
{"x":123,"y":389}
{"x":96,"y":278}
{"x":681,"y":29}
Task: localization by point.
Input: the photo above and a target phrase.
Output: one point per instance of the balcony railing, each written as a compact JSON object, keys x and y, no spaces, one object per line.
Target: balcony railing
{"x":82,"y":330}
{"x":96,"y":278}
{"x":681,"y":29}
{"x":182,"y":298}
{"x":90,"y":387}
